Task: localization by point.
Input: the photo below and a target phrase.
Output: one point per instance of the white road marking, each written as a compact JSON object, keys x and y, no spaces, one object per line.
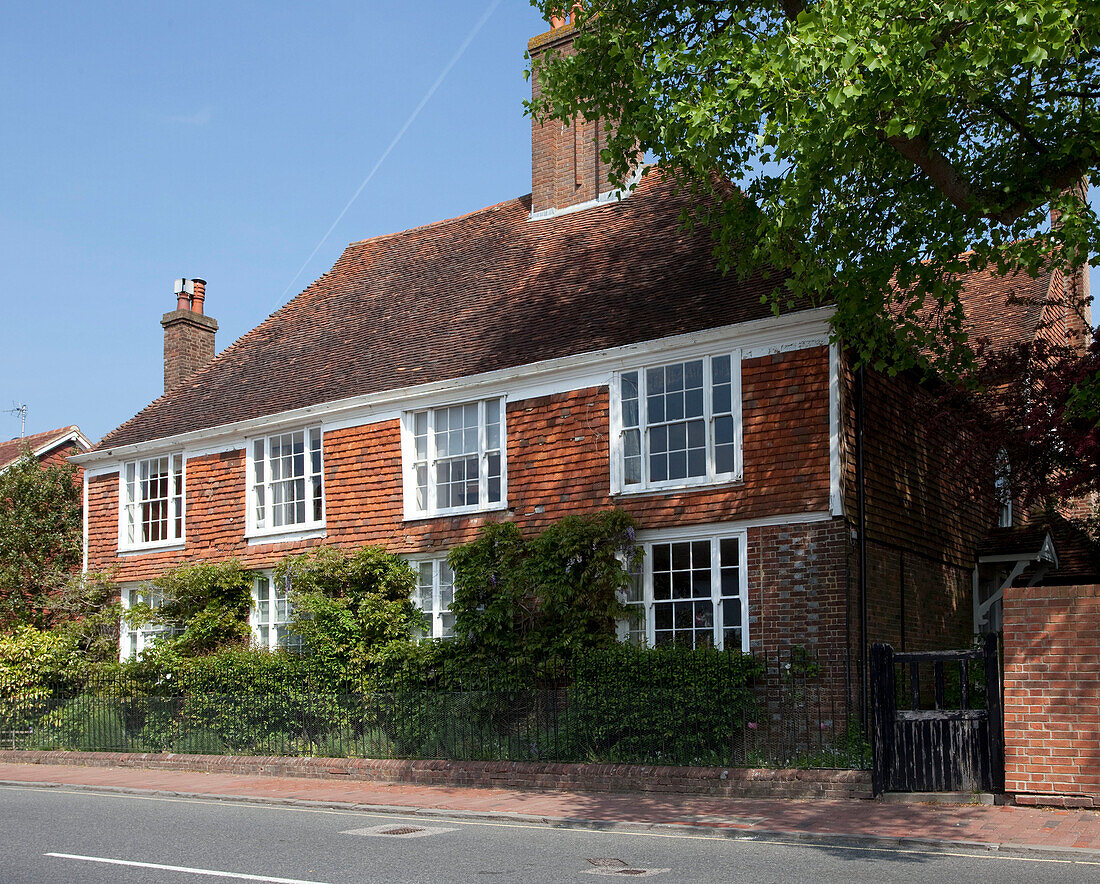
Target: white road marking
{"x":210,"y":873}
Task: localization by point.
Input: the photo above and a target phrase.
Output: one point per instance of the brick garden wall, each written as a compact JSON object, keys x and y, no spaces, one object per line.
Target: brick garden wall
{"x":1052,"y":694}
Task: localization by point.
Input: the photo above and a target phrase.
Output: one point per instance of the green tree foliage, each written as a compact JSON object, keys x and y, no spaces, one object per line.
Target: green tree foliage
{"x":348,"y":607}
{"x":35,"y":665}
{"x":546,"y":597}
{"x":877,"y":148}
{"x":40,"y":538}
{"x":87,"y":609}
{"x":205,"y":607}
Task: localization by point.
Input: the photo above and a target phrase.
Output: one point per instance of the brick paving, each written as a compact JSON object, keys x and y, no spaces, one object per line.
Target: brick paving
{"x":977,"y":825}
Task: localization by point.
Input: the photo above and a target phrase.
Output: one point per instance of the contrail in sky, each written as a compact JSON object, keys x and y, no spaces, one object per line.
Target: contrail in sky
{"x":396,"y":138}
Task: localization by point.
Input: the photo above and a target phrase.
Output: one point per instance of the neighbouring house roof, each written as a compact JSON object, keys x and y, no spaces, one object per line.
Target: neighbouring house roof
{"x":1004,"y":309}
{"x":42,"y":443}
{"x":1077,"y":555}
{"x":485,"y":291}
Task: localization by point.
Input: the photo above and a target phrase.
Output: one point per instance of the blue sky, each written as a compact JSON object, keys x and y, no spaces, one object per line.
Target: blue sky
{"x":145,"y":141}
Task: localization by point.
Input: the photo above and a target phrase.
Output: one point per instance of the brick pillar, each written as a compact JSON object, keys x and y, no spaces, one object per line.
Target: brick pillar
{"x":188,"y":334}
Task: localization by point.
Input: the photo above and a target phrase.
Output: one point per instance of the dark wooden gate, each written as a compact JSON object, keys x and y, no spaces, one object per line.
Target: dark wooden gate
{"x":945,"y":734}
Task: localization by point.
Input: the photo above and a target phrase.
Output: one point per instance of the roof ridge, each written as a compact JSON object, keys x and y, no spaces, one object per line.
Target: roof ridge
{"x":430,"y":224}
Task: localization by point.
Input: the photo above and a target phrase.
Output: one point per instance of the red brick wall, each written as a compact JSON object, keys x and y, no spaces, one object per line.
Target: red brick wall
{"x":558,"y":464}
{"x":1052,"y":694}
{"x":797,"y":587}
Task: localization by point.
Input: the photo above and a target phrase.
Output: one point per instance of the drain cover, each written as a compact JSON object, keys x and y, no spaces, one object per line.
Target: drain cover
{"x":396,"y":831}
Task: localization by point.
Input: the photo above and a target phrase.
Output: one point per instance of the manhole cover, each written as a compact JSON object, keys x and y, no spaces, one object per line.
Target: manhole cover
{"x":624,"y":871}
{"x":392,"y":831}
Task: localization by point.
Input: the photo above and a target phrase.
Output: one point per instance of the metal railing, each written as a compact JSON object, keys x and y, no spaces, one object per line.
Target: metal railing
{"x":684,"y":709}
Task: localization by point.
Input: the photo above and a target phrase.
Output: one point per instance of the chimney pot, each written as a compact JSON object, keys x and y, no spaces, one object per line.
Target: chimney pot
{"x":182,"y":299}
{"x":198,"y":294}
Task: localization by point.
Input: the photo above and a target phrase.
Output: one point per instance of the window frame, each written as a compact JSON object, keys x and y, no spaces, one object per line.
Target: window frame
{"x":618,"y":429}
{"x":294,"y":643}
{"x":436,"y":614}
{"x":176,"y":503}
{"x":715,"y":538}
{"x":135,"y":641}
{"x":252,"y":526}
{"x":409,"y":461}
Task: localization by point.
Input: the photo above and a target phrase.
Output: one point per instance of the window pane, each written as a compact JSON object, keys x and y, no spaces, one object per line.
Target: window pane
{"x":722,"y":400}
{"x":730,"y":550}
{"x":693,"y":374}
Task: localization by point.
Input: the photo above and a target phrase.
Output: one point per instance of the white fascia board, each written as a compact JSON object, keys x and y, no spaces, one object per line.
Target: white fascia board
{"x":735,"y":526}
{"x":771,"y":334}
{"x":836,"y":497}
{"x":84,"y":526}
{"x":74,"y":435}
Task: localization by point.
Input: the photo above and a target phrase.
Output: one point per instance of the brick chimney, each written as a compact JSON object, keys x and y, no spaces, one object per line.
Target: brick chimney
{"x":188,"y":334}
{"x":565,"y":159}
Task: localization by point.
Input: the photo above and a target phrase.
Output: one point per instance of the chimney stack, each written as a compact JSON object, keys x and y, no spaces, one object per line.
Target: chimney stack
{"x":566,"y":169}
{"x":188,"y":334}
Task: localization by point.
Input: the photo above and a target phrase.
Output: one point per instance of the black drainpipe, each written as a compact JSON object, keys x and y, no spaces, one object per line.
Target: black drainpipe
{"x":862,"y":507}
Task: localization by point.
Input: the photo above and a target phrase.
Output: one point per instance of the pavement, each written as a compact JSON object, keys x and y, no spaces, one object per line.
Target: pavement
{"x":842,"y":822}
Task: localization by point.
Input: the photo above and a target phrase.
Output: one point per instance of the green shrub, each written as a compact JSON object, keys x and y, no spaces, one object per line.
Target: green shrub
{"x":347,"y":607}
{"x":87,"y":723}
{"x":542,"y":599}
{"x":667,"y":705}
{"x":199,"y":741}
{"x":35,"y":667}
{"x":205,"y":607}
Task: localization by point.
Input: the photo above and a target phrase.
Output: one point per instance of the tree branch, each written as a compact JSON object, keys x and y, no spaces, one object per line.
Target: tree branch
{"x":960,"y":193}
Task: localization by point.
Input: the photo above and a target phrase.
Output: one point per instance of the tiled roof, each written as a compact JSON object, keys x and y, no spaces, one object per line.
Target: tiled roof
{"x":485,"y":291}
{"x":1078,"y":555}
{"x":1004,"y":309}
{"x":13,"y":448}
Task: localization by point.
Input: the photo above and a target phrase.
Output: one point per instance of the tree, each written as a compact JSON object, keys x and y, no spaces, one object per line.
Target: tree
{"x":40,"y":539}
{"x":877,"y":148}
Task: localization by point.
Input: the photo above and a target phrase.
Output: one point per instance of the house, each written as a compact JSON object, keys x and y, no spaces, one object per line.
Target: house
{"x":562,"y":352}
{"x":52,"y":447}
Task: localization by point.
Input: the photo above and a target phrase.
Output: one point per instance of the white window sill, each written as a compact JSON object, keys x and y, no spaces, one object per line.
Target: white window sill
{"x":286,"y":535}
{"x":675,"y":487}
{"x":456,"y":511}
{"x":165,"y":546}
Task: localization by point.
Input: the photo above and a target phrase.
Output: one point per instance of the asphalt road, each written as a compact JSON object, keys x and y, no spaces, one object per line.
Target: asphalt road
{"x":59,"y":835}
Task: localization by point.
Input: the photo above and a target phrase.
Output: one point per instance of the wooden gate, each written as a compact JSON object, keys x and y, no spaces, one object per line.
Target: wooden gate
{"x":957,"y":745}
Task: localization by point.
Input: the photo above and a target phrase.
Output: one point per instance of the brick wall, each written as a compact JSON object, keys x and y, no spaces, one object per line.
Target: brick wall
{"x":558,"y":464}
{"x":712,"y":781}
{"x":926,"y":514}
{"x":1052,"y":694}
